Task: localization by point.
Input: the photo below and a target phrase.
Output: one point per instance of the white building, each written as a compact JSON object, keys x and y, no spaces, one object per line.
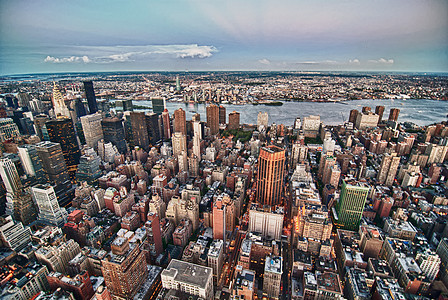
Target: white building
{"x":93,"y":132}
{"x":13,"y":235}
{"x":268,"y":223}
{"x":273,"y":270}
{"x":47,"y":202}
{"x":215,"y":257}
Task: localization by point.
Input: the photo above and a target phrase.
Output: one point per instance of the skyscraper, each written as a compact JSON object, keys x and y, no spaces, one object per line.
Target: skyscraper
{"x":18,"y":202}
{"x":59,"y":106}
{"x":62,"y":131}
{"x":158,"y":105}
{"x":124,"y":269}
{"x":262,"y":119}
{"x":166,"y":124}
{"x":388,"y":169}
{"x":222,"y":115}
{"x":13,"y":234}
{"x":213,"y":118}
{"x":113,"y":132}
{"x":180,"y":123}
{"x":178,"y":87}
{"x":271,"y":169}
{"x":154,"y":236}
{"x":139,"y":130}
{"x":234,"y":120}
{"x":219,"y":219}
{"x":8,"y":129}
{"x":53,"y":162}
{"x":393,"y":114}
{"x":197,"y":136}
{"x":47,"y":203}
{"x":351,"y":204}
{"x":90,"y":95}
{"x":93,"y":132}
{"x":179,"y":141}
{"x":153,"y":127}
{"x":39,"y":122}
{"x":379,"y":110}
{"x":31,"y":162}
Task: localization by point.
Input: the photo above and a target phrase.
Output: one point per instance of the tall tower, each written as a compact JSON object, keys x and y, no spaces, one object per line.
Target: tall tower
{"x":139,"y":130}
{"x":388,"y":169}
{"x":166,"y":124}
{"x":351,"y":204}
{"x":379,"y":110}
{"x":222,"y":115}
{"x":113,"y":132}
{"x":197,"y":135}
{"x":90,"y":95}
{"x":271,"y":169}
{"x":18,"y":202}
{"x":53,"y":162}
{"x":47,"y":202}
{"x":180,"y":123}
{"x":91,"y":126}
{"x":158,"y":105}
{"x":62,"y":131}
{"x":154,"y":236}
{"x":31,"y":162}
{"x":234,"y":120}
{"x":219,"y":219}
{"x":59,"y":107}
{"x":393,"y":114}
{"x":213,"y":118}
{"x":178,"y":87}
{"x":153,"y":127}
{"x":179,"y":141}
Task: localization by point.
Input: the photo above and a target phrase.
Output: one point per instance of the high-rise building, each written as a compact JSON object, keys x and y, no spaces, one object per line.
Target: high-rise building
{"x":113,"y":132}
{"x":180,"y":123}
{"x":13,"y":235}
{"x":39,"y":122}
{"x":90,"y":95}
{"x":89,"y":167}
{"x":393,"y":114}
{"x":62,"y":131}
{"x":18,"y":201}
{"x":379,"y":110}
{"x":166,"y":124}
{"x":188,"y":278}
{"x":179,"y":141}
{"x":91,"y":126}
{"x":268,"y":222}
{"x":388,"y":169}
{"x":197,"y":136}
{"x":31,"y":162}
{"x":158,"y":105}
{"x":178,"y":87}
{"x":8,"y":129}
{"x":47,"y":202}
{"x":53,"y":162}
{"x":262,"y":119}
{"x":219,"y":219}
{"x":234,"y":120}
{"x":213,"y":118}
{"x":353,"y":116}
{"x":153,"y":127}
{"x":154,"y":236}
{"x":222,"y":115}
{"x":124,"y":268}
{"x":366,"y":119}
{"x":139,"y":129}
{"x":271,"y":169}
{"x":59,"y":106}
{"x":272,"y":277}
{"x":79,"y":107}
{"x":215,"y":258}
{"x":351,"y":204}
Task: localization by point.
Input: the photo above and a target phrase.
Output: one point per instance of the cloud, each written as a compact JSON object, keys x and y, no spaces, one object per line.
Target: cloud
{"x":382,"y":61}
{"x":323,"y":62}
{"x":354,"y":61}
{"x":264,"y":61}
{"x":71,"y":59}
{"x":112,"y":54}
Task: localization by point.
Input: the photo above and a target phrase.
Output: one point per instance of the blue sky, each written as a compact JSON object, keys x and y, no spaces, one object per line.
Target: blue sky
{"x":178,"y":35}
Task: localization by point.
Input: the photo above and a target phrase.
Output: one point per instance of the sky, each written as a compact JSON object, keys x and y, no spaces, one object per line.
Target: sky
{"x":45,"y":36}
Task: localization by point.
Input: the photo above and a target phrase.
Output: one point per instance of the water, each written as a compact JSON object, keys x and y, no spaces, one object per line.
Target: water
{"x":420,"y":112}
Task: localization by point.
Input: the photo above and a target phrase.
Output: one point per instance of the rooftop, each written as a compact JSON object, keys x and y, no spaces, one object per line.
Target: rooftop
{"x":188,"y":273}
{"x":274,"y":264}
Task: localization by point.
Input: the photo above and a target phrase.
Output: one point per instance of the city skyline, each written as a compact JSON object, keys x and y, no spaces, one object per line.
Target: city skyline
{"x":223,"y":35}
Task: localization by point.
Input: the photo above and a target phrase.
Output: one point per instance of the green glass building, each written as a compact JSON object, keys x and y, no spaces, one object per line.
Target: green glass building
{"x":351,"y":204}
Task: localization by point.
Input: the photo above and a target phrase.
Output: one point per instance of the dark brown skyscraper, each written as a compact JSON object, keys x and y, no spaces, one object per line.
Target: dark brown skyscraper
{"x":180,"y":122}
{"x":90,"y":95}
{"x":379,"y":110}
{"x":62,"y":131}
{"x":271,"y":169}
{"x":353,"y":115}
{"x":366,"y":109}
{"x":213,"y":118}
{"x":393,"y":114}
{"x":166,"y":124}
{"x":139,"y":130}
{"x":234,"y":120}
{"x":222,"y":115}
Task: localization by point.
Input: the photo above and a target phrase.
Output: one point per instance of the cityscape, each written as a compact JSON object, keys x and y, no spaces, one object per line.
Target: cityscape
{"x":236,"y":150}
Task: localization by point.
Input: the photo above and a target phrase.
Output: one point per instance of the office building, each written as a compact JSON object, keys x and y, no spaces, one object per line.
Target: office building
{"x":219,"y":219}
{"x":13,"y":235}
{"x":39,"y":122}
{"x":268,"y":222}
{"x":188,"y":278}
{"x":62,"y":131}
{"x":91,"y":127}
{"x":154,"y":236}
{"x":272,"y":277}
{"x":89,"y":167}
{"x":215,"y":258}
{"x":351,"y":204}
{"x":366,"y":120}
{"x":19,"y":203}
{"x":31,"y":162}
{"x":59,"y":107}
{"x":53,"y":162}
{"x":158,"y":105}
{"x":393,"y":114}
{"x":213,"y":118}
{"x":139,"y":130}
{"x":8,"y":129}
{"x":57,"y":258}
{"x":49,"y":210}
{"x":180,"y":122}
{"x":262,"y":119}
{"x":356,"y":285}
{"x":222,"y":115}
{"x":179,"y":141}
{"x":388,"y":169}
{"x":124,"y":105}
{"x":153,"y":128}
{"x":197,"y":136}
{"x":166,"y":124}
{"x":90,"y":95}
{"x":442,"y":251}
{"x":234,"y":120}
{"x":124,"y":268}
{"x":113,"y":132}
{"x":379,"y":110}
{"x":271,"y":169}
